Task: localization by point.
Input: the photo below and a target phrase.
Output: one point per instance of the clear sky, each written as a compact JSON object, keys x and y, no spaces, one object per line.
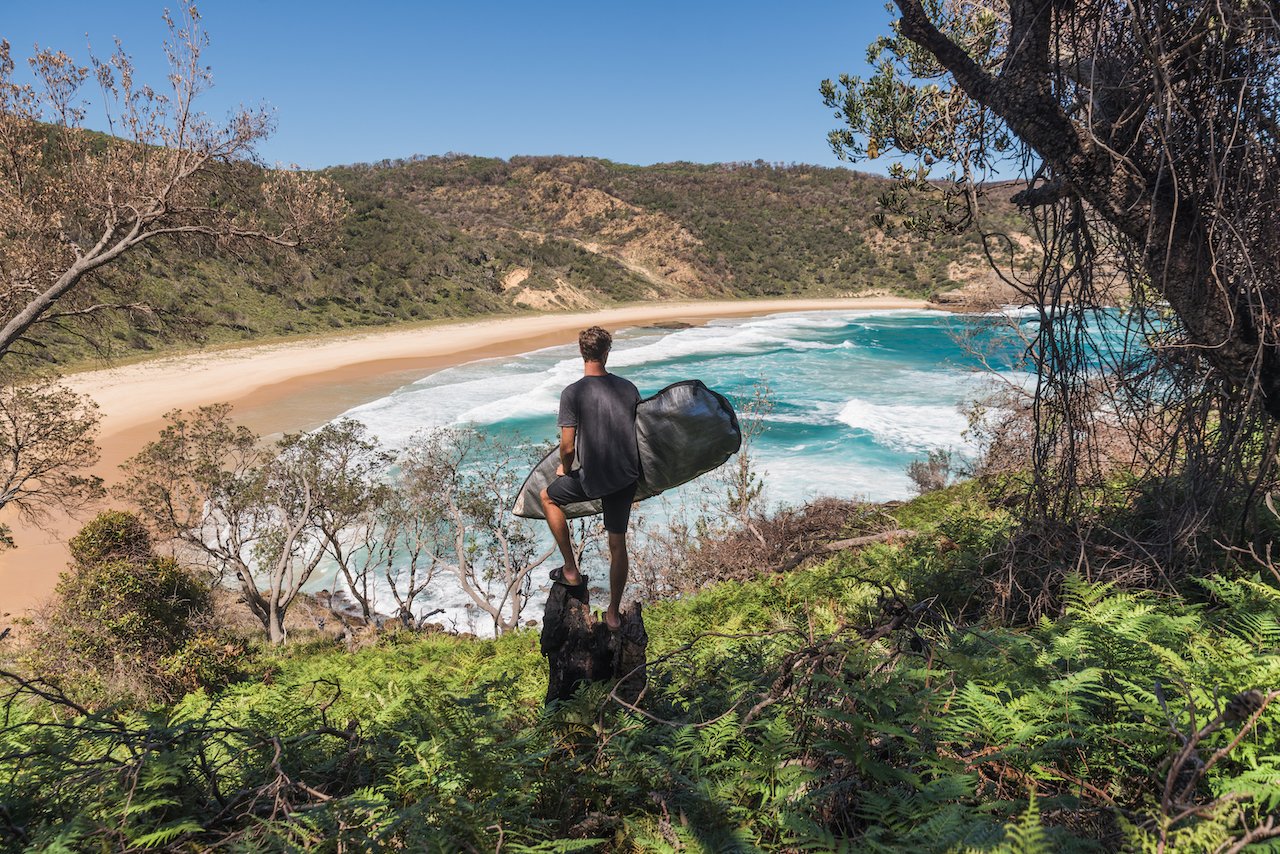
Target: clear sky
{"x":639,"y":82}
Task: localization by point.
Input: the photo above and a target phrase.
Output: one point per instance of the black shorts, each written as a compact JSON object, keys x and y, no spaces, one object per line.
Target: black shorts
{"x":567,"y":489}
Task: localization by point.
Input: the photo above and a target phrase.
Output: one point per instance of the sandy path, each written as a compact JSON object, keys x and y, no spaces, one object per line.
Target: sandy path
{"x":298,"y":385}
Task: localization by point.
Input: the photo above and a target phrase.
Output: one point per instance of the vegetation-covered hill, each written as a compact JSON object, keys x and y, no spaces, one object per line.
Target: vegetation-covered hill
{"x":459,"y":236}
{"x":680,"y":228}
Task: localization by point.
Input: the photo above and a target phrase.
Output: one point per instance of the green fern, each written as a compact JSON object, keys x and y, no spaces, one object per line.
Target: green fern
{"x":869,"y":747}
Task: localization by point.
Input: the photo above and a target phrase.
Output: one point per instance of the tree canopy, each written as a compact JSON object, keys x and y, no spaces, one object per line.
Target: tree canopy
{"x":1158,"y":115}
{"x":74,"y":201}
{"x":1146,"y":137}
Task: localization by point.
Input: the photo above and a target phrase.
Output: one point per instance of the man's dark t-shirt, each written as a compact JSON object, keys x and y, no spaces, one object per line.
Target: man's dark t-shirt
{"x":603,"y":409}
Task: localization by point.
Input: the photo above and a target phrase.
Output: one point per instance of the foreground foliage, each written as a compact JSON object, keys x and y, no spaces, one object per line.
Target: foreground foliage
{"x":835,"y":708}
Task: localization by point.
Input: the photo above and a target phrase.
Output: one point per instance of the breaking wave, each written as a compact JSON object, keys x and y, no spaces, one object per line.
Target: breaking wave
{"x":908,"y":426}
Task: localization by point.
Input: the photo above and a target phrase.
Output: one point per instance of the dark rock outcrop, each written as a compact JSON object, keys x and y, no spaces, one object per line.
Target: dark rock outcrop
{"x":580,"y":648}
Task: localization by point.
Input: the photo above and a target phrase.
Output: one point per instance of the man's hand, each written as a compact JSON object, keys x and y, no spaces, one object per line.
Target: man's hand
{"x":560,"y":470}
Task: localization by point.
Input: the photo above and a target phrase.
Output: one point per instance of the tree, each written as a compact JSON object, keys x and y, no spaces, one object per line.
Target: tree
{"x":270,"y":514}
{"x":46,"y":437}
{"x":744,"y":488}
{"x":931,"y":473}
{"x":416,"y":520}
{"x":210,"y":485}
{"x":1147,"y":135}
{"x":447,"y":508}
{"x":345,"y":468}
{"x":493,"y":552}
{"x":74,"y":201}
{"x":1158,"y":115}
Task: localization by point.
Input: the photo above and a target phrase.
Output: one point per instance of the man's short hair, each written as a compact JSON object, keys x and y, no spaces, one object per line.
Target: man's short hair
{"x":594,"y":344}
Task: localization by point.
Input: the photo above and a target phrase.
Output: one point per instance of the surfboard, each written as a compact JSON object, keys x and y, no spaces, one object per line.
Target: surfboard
{"x":683,"y":431}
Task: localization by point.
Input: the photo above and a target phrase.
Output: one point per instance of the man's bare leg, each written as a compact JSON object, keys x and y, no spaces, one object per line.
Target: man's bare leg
{"x":619,"y":566}
{"x":559,"y":526}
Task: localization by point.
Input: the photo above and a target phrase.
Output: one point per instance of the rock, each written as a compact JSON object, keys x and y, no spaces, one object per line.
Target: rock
{"x":981,"y":293}
{"x":555,"y":617}
{"x":580,"y":648}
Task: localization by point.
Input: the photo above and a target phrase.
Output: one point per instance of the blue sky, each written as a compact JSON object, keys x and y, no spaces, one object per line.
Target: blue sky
{"x":633,"y":82}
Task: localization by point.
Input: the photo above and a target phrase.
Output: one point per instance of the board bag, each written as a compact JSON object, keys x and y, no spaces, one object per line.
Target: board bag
{"x":683,"y":431}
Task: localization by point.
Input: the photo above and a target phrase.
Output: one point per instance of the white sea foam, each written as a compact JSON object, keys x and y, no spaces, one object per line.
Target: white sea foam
{"x":454,"y":609}
{"x":478,"y":393}
{"x":529,"y":386}
{"x":393,"y":419}
{"x":510,"y":390}
{"x":794,"y":480}
{"x":787,"y":331}
{"x":537,"y":394}
{"x":1017,"y":311}
{"x":908,"y":426}
{"x":813,"y":418}
{"x":818,"y":414}
{"x":707,"y":341}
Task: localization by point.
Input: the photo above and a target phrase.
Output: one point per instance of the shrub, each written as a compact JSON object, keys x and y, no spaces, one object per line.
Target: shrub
{"x":206,"y":660}
{"x":932,"y":473}
{"x":113,"y":535}
{"x":685,"y":557}
{"x":119,"y":613}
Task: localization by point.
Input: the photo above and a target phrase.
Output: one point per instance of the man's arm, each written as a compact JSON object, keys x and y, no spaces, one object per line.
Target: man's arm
{"x":567,"y":437}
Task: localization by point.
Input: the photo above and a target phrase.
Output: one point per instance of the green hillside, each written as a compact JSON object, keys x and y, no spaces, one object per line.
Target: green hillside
{"x":457,"y":236}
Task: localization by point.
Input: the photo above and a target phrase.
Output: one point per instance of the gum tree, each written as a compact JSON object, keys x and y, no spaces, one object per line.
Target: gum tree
{"x":490,"y":552}
{"x":1159,"y":116}
{"x":1146,"y":133}
{"x":46,"y":436}
{"x":247,"y":509}
{"x":345,"y":469}
{"x":75,"y":201}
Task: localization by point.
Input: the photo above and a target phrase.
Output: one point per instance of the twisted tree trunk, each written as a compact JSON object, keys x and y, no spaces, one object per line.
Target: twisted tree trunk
{"x":1138,"y":193}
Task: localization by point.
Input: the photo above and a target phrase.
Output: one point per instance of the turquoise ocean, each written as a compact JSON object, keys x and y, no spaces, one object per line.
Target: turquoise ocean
{"x":857,"y":395}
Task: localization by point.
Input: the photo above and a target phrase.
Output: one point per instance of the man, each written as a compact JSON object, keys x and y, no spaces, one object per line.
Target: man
{"x":598,"y":430}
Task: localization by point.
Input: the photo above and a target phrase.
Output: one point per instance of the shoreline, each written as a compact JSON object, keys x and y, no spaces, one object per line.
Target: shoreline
{"x":298,"y":385}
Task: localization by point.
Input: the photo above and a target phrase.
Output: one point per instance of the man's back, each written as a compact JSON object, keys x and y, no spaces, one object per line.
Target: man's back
{"x":602,"y":409}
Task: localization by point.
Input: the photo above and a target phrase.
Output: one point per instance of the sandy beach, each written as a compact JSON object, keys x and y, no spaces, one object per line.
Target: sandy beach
{"x":297,"y":385}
